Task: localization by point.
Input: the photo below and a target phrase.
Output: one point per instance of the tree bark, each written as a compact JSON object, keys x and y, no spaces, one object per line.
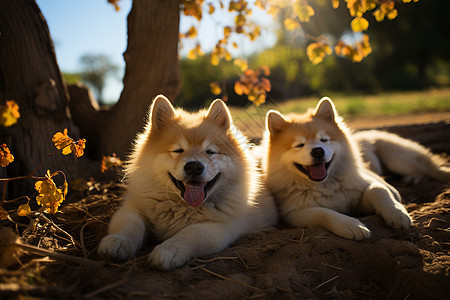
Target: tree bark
{"x":151,"y":68}
{"x":29,"y":75}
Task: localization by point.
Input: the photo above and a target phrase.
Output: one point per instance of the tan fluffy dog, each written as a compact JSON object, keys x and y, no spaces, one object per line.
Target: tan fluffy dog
{"x":192,"y":185}
{"x":317,"y":176}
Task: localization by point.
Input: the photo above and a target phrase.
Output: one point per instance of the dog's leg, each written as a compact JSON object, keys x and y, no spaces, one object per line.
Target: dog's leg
{"x":379,"y":198}
{"x":126,"y":234}
{"x":339,"y":224}
{"x":193,"y":240}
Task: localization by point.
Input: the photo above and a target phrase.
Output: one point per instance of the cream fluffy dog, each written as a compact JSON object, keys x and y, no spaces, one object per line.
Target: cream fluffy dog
{"x":318,"y":178}
{"x":192,"y":185}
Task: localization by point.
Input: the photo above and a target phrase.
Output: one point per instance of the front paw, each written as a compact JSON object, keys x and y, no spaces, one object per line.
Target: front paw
{"x":117,"y":246}
{"x":351,"y":228}
{"x":169,"y":255}
{"x":397,"y":217}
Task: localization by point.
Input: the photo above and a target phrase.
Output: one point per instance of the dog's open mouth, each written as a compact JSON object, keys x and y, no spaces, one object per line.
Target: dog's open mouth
{"x":194,"y":192}
{"x":316,"y":172}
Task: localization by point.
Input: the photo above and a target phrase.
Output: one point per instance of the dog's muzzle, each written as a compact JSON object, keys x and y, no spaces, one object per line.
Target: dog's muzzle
{"x":194,"y":192}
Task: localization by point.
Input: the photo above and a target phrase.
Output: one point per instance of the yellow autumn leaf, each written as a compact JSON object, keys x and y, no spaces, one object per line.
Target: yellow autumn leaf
{"x":239,"y":20}
{"x":24,"y":210}
{"x":215,"y":59}
{"x":392,"y":14}
{"x":358,"y":7}
{"x":49,"y":195}
{"x":259,"y":99}
{"x":5,"y":156}
{"x":317,"y":52}
{"x":191,"y":33}
{"x":255,"y":33}
{"x":303,"y":10}
{"x":359,"y":24}
{"x":290,"y":24}
{"x":241,"y":63}
{"x":9,"y":113}
{"x":192,"y":8}
{"x":62,"y":141}
{"x":215,"y":88}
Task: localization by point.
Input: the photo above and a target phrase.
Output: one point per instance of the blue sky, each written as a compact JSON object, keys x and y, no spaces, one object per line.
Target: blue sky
{"x":87,"y":26}
{"x":80,"y":27}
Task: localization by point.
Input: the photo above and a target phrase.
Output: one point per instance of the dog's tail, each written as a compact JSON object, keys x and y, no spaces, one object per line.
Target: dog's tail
{"x":401,"y":156}
{"x":436,"y":171}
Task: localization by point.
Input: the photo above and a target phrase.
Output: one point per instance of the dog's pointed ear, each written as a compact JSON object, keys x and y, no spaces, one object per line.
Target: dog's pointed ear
{"x":325,"y":110}
{"x":219,"y":114}
{"x":275,"y":122}
{"x":161,"y":112}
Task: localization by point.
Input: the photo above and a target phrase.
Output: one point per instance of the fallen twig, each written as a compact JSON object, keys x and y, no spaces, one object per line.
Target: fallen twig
{"x":44,"y":218}
{"x":333,"y":267}
{"x":204,"y":261}
{"x":325,"y":282}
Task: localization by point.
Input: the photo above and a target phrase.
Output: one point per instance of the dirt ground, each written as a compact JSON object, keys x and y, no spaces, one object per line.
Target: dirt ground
{"x":281,"y":263}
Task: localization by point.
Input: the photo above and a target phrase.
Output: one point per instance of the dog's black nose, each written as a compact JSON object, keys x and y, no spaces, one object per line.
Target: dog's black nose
{"x":194,"y":168}
{"x":317,"y":152}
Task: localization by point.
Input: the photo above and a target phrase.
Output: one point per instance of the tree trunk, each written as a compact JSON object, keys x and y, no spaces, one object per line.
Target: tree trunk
{"x":29,"y":75}
{"x":151,"y":68}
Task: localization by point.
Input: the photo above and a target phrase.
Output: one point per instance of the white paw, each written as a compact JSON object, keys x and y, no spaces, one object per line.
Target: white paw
{"x":117,"y":246}
{"x":169,"y":255}
{"x":397,"y":217}
{"x":352,"y":229}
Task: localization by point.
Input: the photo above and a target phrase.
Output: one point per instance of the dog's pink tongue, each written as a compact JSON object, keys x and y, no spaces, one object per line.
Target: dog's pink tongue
{"x":318,"y":171}
{"x":194,"y":194}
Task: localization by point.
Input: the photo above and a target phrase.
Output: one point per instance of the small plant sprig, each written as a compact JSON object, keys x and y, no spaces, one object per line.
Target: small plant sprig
{"x":49,"y":196}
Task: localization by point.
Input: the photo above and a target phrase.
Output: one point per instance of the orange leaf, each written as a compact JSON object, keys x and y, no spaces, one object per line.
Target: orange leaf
{"x":3,"y":214}
{"x":78,"y":148}
{"x":211,"y":9}
{"x":62,"y":141}
{"x":5,"y":156}
{"x":24,"y":210}
{"x":238,"y":88}
{"x":9,"y":113}
{"x":335,"y":3}
{"x":266,"y":70}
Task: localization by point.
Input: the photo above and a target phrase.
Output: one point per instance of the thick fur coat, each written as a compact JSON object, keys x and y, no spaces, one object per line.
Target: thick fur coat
{"x":316,"y":173}
{"x":192,"y":185}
